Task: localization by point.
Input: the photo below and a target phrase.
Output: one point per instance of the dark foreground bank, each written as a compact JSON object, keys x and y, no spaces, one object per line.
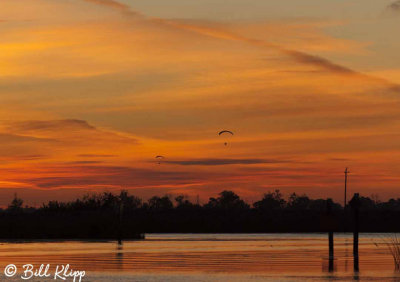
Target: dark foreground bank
{"x":109,"y":216}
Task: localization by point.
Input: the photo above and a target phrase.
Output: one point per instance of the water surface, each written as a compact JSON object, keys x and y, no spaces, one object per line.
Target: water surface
{"x":212,"y":257}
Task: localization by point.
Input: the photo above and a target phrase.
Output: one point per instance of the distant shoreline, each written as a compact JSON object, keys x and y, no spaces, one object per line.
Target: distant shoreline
{"x":108,"y":216}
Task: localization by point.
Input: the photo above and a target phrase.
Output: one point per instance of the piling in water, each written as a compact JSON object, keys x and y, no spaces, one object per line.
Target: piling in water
{"x":331,"y":254}
{"x":330,"y":236}
{"x":120,"y":213}
{"x":355,"y":204}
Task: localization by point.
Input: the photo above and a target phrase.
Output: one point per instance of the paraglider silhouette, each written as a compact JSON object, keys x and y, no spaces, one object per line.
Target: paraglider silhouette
{"x":159,"y":159}
{"x":225,"y":132}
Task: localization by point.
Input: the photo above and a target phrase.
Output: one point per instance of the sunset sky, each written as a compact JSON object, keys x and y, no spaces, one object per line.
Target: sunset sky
{"x":92,"y":90}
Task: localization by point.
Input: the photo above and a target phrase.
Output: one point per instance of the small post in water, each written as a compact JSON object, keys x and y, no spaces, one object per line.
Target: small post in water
{"x":330,"y":236}
{"x":121,"y":207}
{"x":355,"y":204}
{"x":331,"y":254}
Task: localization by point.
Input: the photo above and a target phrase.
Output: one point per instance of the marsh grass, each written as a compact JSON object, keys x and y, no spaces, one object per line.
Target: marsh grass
{"x":393,"y":244}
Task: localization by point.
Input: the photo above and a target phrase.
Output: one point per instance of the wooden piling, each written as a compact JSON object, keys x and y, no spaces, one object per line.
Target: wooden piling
{"x":355,"y":203}
{"x":330,"y":235}
{"x":331,"y":253}
{"x":120,"y":223}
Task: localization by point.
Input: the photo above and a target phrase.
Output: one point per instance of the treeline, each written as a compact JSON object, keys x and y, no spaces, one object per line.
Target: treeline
{"x":107,"y":216}
{"x":226,"y":200}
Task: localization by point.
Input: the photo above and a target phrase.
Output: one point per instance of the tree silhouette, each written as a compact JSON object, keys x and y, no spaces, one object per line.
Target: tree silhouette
{"x":99,"y":216}
{"x":227,"y":200}
{"x":183,"y":202}
{"x":16,"y":204}
{"x":271,"y":201}
{"x":298,"y":202}
{"x":160,"y":203}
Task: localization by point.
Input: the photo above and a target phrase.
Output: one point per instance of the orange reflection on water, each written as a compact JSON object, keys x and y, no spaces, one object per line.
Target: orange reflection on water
{"x":279,"y":255}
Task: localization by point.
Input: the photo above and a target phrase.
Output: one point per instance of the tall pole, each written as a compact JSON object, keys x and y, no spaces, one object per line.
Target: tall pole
{"x":345,"y":187}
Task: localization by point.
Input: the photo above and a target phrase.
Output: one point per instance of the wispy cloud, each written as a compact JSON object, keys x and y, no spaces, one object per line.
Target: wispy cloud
{"x":114,"y":5}
{"x":214,"y":32}
{"x":394,"y":7}
{"x":223,"y":34}
{"x":213,"y":162}
{"x":40,"y":125}
{"x":96,"y":156}
{"x":339,"y":159}
{"x":85,"y":175}
{"x":24,"y":157}
{"x":84,"y":162}
{"x":16,"y":138}
{"x":296,"y":55}
{"x":62,"y":140}
{"x":63,"y":130}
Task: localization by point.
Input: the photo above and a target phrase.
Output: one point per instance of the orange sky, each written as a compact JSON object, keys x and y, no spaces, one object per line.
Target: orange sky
{"x":93,"y":90}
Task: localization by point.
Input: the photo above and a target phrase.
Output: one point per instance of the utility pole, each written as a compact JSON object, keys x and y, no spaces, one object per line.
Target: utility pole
{"x":345,"y":186}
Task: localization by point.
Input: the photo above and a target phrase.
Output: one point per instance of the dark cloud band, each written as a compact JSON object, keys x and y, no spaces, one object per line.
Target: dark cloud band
{"x":214,"y":162}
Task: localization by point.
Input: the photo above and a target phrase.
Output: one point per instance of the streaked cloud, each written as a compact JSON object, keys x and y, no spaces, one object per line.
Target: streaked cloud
{"x":84,"y":175}
{"x":36,"y":125}
{"x":395,"y":6}
{"x":63,"y":130}
{"x":96,"y":156}
{"x":214,"y":162}
{"x":111,"y":4}
{"x":208,"y":30}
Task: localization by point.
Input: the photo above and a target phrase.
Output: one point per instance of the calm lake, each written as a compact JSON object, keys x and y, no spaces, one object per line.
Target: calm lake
{"x":211,"y":257}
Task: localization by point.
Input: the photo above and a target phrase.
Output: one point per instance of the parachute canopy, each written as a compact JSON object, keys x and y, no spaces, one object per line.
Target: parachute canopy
{"x":159,"y":158}
{"x":225,"y":131}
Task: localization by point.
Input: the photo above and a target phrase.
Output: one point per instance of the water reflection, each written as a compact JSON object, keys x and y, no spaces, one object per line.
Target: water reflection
{"x":119,"y":256}
{"x":346,"y":255}
{"x":294,"y":256}
{"x":329,"y":265}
